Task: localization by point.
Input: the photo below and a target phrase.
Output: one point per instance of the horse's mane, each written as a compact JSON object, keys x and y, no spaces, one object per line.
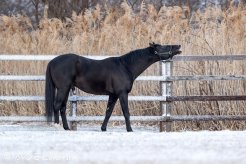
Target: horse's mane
{"x":134,"y":55}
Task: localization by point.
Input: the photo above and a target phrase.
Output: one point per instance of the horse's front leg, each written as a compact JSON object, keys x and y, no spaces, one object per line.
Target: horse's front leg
{"x":124,"y":106}
{"x":111,"y":103}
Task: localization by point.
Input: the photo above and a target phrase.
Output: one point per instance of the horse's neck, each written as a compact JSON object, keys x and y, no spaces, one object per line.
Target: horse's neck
{"x":138,"y":61}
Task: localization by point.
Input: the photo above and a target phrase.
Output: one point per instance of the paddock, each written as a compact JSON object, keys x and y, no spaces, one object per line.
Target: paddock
{"x":33,"y":140}
{"x":37,"y":142}
{"x":165,"y":98}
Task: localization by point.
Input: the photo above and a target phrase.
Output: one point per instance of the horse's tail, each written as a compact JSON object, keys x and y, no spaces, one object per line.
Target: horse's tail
{"x":49,"y":95}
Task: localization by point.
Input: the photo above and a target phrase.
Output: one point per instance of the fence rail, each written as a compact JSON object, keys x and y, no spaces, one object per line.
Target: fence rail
{"x":82,"y":98}
{"x":140,"y":78}
{"x":132,"y":98}
{"x":175,"y":58}
{"x":165,"y":98}
{"x":133,"y":118}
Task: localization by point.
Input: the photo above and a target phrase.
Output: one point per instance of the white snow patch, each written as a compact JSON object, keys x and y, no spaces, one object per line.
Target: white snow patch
{"x":142,"y":146}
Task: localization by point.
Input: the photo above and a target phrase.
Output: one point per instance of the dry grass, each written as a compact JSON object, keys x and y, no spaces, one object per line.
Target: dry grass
{"x":213,"y":32}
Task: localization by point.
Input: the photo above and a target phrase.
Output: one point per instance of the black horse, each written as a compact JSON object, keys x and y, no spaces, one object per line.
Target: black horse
{"x":112,"y":76}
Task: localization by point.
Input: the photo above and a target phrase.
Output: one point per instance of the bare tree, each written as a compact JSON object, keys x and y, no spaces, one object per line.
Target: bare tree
{"x":58,"y":9}
{"x":64,"y":8}
{"x":36,"y":11}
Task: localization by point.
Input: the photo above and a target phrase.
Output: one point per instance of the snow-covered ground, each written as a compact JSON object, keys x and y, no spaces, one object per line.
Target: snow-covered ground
{"x":27,"y":144}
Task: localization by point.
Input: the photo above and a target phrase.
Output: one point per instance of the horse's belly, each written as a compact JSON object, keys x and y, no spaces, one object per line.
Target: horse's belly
{"x":98,"y":88}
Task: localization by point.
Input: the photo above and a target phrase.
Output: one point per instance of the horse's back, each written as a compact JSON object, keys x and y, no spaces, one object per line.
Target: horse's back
{"x":64,"y":59}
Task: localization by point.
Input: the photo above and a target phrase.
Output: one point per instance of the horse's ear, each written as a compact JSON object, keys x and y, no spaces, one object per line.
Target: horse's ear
{"x":152,"y":45}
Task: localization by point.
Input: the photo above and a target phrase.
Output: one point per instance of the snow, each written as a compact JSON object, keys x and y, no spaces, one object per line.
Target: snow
{"x":24,"y":143}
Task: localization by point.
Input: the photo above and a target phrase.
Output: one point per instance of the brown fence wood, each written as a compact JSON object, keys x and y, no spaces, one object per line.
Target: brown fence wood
{"x":210,"y":58}
{"x":133,"y":118}
{"x":207,"y":98}
{"x":207,"y":77}
{"x":208,"y":118}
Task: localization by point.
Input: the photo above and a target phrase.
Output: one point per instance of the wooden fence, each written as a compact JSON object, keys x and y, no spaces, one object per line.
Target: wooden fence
{"x":166,"y":78}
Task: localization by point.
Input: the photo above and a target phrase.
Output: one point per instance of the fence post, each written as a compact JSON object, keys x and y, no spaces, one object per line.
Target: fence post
{"x":73,"y":111}
{"x":166,"y":90}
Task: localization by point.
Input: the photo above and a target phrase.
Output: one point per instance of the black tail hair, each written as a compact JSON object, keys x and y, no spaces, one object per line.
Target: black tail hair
{"x":49,"y":95}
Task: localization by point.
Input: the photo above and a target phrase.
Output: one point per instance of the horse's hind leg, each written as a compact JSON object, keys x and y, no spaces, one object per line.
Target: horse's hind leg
{"x":63,"y":113}
{"x":64,"y":118}
{"x":60,"y":105}
{"x":111,"y":103}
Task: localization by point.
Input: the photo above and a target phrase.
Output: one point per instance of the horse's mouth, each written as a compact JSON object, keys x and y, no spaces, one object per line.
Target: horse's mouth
{"x":176,"y":53}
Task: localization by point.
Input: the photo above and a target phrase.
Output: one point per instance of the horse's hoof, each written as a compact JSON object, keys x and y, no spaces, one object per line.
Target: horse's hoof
{"x":66,"y":128}
{"x":103,"y":129}
{"x":129,"y":130}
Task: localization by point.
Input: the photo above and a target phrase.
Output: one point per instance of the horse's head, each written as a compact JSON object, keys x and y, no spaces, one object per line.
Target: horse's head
{"x":165,"y":52}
